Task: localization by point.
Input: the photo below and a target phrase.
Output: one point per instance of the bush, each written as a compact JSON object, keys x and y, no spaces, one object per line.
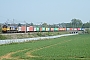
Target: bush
{"x":39,"y":34}
{"x":88,"y":30}
{"x":0,"y":29}
{"x":2,"y":37}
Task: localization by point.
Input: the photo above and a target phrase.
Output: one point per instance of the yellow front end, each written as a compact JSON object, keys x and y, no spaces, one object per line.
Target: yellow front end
{"x":8,"y":28}
{"x":4,"y":29}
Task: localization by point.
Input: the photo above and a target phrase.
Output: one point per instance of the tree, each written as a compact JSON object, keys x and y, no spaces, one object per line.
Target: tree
{"x":0,"y":28}
{"x":31,"y":24}
{"x":69,"y":25}
{"x":63,"y":25}
{"x":86,"y":25}
{"x":45,"y":25}
{"x":76,"y":23}
{"x":19,"y":24}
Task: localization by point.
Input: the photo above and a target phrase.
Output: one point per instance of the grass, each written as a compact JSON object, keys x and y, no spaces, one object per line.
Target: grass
{"x":2,"y":37}
{"x":31,"y":35}
{"x":64,"y":48}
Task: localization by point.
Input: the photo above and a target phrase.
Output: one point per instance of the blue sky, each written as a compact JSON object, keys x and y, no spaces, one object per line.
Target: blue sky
{"x":49,"y":11}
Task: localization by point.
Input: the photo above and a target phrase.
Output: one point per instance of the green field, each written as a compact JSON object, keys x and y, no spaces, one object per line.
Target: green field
{"x":75,"y":47}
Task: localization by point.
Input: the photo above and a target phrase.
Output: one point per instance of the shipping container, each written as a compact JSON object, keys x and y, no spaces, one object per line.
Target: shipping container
{"x":68,"y":29}
{"x":27,"y":29}
{"x":52,"y":29}
{"x":23,"y":28}
{"x":42,"y":29}
{"x":78,"y":29}
{"x":64,"y":29}
{"x":71,"y":29}
{"x":19,"y":28}
{"x":60,"y":29}
{"x":31,"y":28}
{"x":47,"y":29}
{"x":34,"y":28}
{"x":75,"y":29}
{"x":56,"y":29}
{"x":83,"y":29}
{"x":37,"y":29}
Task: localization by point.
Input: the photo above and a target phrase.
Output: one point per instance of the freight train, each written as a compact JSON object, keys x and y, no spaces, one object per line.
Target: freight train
{"x":18,"y":29}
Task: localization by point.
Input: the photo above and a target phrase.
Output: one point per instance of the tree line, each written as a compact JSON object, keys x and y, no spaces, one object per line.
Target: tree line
{"x":75,"y":23}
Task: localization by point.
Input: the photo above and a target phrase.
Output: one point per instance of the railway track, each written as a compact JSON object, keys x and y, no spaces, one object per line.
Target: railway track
{"x":14,"y":33}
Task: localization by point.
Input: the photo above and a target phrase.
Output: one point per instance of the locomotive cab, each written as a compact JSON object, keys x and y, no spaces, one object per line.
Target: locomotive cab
{"x":4,"y":29}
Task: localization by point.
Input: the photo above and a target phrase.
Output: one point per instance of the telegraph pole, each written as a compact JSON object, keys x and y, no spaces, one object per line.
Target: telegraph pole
{"x":25,"y":26}
{"x":13,"y":21}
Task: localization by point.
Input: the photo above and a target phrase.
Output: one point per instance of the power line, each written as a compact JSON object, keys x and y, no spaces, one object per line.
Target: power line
{"x":3,"y":17}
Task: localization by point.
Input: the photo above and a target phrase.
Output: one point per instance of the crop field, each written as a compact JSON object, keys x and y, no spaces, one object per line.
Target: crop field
{"x":75,"y":47}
